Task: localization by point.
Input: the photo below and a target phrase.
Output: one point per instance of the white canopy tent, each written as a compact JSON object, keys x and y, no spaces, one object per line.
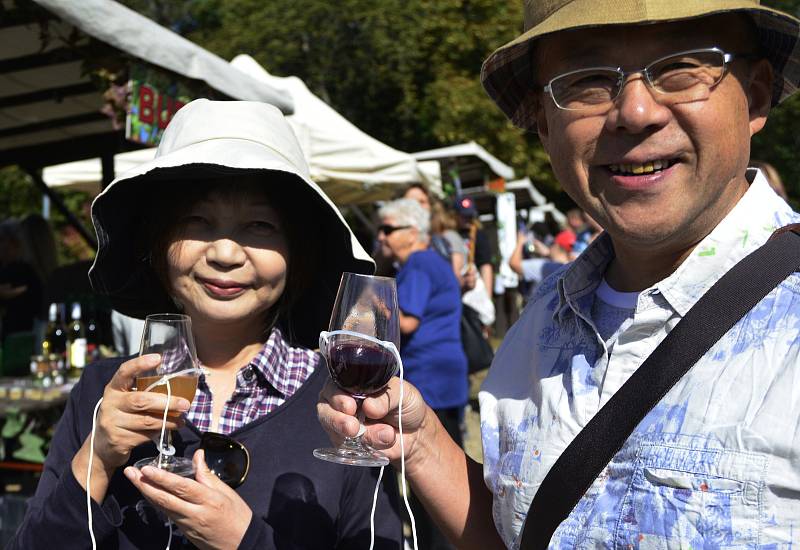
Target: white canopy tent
{"x":137,"y":35}
{"x":85,"y":175}
{"x":352,"y":167}
{"x":472,"y":162}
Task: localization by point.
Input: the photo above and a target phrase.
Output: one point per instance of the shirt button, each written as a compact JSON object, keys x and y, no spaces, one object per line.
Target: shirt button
{"x":248,"y":374}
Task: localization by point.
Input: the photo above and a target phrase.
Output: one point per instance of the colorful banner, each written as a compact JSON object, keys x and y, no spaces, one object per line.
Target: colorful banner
{"x":155,"y":98}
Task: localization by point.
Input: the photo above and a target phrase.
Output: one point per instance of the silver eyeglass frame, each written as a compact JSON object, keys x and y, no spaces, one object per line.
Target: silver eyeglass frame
{"x":623,"y":75}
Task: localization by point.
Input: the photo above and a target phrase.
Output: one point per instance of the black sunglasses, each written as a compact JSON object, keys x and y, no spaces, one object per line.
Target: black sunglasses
{"x":389,"y":229}
{"x":226,"y":457}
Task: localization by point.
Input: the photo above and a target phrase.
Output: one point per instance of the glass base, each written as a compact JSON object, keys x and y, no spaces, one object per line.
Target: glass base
{"x":352,"y":457}
{"x":174,"y":464}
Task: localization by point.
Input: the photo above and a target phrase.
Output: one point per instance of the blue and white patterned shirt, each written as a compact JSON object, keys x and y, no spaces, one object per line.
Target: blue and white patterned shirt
{"x":716,"y":464}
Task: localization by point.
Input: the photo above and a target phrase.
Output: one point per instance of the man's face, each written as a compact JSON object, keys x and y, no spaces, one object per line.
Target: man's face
{"x":706,"y":143}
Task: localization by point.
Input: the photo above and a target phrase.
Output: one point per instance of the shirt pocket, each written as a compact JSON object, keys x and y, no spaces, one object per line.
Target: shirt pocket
{"x":684,"y":497}
{"x":510,"y":507}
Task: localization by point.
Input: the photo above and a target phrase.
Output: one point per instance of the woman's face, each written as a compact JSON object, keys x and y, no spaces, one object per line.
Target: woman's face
{"x":418,"y":195}
{"x":397,"y":240}
{"x":229,"y":259}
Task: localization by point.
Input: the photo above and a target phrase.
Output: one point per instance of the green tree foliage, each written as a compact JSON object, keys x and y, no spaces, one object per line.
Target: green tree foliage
{"x":404,"y":71}
{"x":19,"y":197}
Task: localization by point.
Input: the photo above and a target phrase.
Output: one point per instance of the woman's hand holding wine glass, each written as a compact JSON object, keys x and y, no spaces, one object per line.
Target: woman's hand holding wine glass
{"x":208,"y":512}
{"x":125,"y":420}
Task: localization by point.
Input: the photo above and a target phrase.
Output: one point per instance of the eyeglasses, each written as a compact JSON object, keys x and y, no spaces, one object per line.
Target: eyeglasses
{"x":389,"y":229}
{"x":226,"y":457}
{"x":678,"y":78}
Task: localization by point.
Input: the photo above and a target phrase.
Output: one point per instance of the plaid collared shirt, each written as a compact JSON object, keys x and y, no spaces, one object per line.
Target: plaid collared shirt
{"x":264,"y":384}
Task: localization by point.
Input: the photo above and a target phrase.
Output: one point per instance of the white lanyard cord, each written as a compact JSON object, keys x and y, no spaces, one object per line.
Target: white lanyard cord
{"x":89,"y":474}
{"x":403,"y":451}
{"x":161,"y":449}
{"x":324,"y":336}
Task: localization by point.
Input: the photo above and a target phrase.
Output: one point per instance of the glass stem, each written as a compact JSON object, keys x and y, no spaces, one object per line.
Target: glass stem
{"x":165,"y":459}
{"x":353,"y":443}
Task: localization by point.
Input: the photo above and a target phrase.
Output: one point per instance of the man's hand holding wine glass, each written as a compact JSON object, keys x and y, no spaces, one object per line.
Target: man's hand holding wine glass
{"x":125,"y":420}
{"x":337,"y":409}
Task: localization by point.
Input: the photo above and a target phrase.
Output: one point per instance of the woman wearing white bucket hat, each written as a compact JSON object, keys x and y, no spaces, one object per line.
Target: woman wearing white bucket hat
{"x":225,"y":226}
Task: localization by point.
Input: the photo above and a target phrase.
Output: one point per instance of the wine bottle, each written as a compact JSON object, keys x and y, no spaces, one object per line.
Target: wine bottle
{"x":55,"y":338}
{"x":77,"y":343}
{"x":92,"y":337}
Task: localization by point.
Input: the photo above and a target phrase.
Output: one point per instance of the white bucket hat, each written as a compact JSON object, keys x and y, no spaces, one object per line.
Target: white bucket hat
{"x":205,"y":140}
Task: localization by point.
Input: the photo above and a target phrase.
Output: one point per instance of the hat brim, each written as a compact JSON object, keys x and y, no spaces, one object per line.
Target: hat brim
{"x":507,"y":74}
{"x":118,"y":212}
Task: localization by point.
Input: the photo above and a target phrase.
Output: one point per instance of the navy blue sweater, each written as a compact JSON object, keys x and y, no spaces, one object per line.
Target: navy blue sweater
{"x":297,"y":500}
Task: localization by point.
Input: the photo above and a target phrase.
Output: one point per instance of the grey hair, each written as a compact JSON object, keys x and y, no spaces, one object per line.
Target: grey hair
{"x":408,"y":212}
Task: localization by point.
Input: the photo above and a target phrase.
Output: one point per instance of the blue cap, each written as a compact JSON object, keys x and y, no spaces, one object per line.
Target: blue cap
{"x":465,"y":207}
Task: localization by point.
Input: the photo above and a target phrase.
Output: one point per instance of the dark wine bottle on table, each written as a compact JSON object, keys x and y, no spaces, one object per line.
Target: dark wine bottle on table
{"x":55,"y":338}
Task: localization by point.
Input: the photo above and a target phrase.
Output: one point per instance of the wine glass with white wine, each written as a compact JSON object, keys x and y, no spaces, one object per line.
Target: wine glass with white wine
{"x":169,"y":335}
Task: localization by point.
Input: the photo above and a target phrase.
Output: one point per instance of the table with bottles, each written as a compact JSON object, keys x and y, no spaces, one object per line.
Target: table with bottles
{"x":25,"y":394}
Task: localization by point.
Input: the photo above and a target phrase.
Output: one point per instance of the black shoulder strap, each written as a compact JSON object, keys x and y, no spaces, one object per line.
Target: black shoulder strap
{"x":714,"y":314}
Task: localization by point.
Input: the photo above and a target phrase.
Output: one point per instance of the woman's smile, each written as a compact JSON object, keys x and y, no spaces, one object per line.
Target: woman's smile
{"x":222,"y":288}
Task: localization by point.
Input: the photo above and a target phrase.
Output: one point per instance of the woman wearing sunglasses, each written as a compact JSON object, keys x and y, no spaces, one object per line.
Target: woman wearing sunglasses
{"x":225,"y":226}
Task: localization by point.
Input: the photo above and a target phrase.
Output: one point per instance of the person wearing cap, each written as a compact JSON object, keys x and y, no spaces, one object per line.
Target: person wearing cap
{"x":226,"y":226}
{"x":646,"y":109}
{"x":477,"y":240}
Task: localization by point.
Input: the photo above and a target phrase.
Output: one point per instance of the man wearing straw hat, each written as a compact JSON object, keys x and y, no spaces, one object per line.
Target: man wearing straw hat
{"x":646,"y":108}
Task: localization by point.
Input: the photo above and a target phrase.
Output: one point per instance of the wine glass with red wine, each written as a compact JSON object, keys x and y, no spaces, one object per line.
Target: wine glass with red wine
{"x":360,"y":350}
{"x":171,"y":336}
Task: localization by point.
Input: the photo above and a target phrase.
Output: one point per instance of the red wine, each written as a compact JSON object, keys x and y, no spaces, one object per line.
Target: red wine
{"x":361,"y":368}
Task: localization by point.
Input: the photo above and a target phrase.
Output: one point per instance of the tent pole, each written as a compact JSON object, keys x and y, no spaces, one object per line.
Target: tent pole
{"x":107,"y":162}
{"x":56,"y":201}
{"x":358,"y":213}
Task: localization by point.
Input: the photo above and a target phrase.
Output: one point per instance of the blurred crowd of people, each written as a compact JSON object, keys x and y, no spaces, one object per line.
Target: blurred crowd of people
{"x":38,"y":295}
{"x":27,"y":260}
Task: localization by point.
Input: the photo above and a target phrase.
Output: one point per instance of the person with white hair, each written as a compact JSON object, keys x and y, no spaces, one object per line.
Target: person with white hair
{"x":429,"y":297}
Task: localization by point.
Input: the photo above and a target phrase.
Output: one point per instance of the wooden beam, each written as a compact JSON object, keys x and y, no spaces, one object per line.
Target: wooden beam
{"x":55,"y":56}
{"x":68,"y":150}
{"x":50,"y":94}
{"x":107,"y":164}
{"x":17,"y":17}
{"x":51,"y":124}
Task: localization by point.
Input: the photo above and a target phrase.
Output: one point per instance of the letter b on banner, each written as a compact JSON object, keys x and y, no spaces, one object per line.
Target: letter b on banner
{"x":146,"y":100}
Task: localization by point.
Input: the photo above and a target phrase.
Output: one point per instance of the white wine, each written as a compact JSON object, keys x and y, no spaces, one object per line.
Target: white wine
{"x":76,"y":349}
{"x":180,"y":386}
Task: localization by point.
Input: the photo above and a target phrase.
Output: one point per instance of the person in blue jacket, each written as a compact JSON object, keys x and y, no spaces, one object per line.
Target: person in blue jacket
{"x":225,"y":226}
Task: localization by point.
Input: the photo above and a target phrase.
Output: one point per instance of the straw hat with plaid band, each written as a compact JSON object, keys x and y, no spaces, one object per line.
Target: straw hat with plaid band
{"x":211,"y":140}
{"x":508,"y":75}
